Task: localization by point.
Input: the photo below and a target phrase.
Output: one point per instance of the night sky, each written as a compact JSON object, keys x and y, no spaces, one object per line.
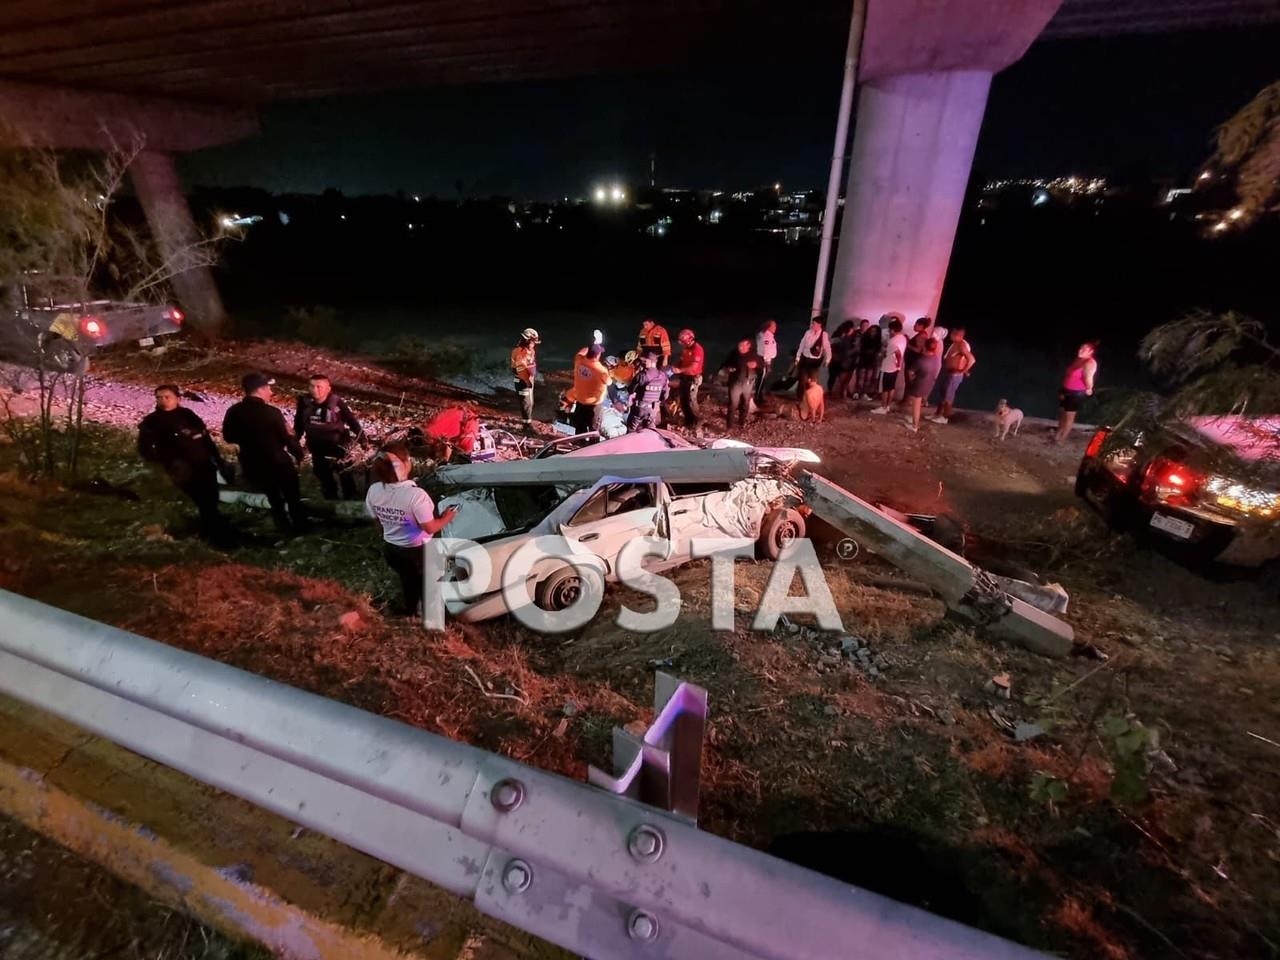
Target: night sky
{"x":1130,"y":108}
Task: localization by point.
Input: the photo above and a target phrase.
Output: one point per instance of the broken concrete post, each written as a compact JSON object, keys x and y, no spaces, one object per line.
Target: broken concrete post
{"x":689,"y":466}
{"x":347,"y":509}
{"x":968,"y":591}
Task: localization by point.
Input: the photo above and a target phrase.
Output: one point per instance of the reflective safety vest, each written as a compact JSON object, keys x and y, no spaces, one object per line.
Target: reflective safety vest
{"x":651,"y":385}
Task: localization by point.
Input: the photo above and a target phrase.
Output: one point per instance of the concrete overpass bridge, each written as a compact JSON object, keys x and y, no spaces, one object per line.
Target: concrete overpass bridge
{"x":187,"y":74}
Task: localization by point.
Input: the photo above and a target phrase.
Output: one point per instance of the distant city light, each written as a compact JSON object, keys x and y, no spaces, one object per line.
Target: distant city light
{"x":1040,"y":198}
{"x":416,"y":198}
{"x":342,"y":216}
{"x":777,"y":187}
{"x":1204,"y":175}
{"x":1236,"y":213}
{"x":613,"y":193}
{"x":1072,"y":184}
{"x":1220,"y":226}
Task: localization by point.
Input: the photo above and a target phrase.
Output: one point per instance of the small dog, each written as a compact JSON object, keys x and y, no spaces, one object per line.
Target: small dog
{"x":1007,"y":418}
{"x":813,"y":402}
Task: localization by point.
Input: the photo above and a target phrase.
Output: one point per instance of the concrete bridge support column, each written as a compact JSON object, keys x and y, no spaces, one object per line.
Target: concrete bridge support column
{"x":912,"y":152}
{"x":156,"y":181}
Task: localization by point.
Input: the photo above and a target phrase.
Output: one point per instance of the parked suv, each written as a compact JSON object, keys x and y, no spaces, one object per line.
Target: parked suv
{"x":1209,"y":485}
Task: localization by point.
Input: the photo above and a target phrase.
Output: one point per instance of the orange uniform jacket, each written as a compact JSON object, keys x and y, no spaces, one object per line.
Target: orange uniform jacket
{"x":524,"y":363}
{"x":590,"y":381}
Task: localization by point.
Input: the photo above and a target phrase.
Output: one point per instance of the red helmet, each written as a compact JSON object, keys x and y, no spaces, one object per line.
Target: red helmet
{"x":686,"y":334}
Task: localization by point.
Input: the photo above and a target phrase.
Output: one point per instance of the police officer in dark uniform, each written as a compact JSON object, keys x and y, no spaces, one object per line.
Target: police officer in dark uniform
{"x":269,"y":453}
{"x":177,"y":439}
{"x":327,"y":425}
{"x":649,"y":391}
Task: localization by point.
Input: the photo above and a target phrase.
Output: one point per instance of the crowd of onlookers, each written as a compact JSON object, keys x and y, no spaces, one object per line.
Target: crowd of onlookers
{"x":653,"y":384}
{"x":881,"y":362}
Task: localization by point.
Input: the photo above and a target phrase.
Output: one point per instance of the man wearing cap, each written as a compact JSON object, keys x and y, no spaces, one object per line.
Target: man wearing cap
{"x":590,"y":387}
{"x":692,"y":360}
{"x":269,"y":453}
{"x":328,"y":426}
{"x":176,"y":439}
{"x":654,"y":340}
{"x":524,"y":370}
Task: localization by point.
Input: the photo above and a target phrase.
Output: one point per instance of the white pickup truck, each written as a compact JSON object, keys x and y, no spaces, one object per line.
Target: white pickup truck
{"x":34,"y":309}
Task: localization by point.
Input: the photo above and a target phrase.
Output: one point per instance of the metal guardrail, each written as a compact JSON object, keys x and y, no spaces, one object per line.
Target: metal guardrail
{"x":596,"y":873}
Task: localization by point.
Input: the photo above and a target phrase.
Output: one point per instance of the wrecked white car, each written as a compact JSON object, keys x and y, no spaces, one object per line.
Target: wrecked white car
{"x":679,"y":497}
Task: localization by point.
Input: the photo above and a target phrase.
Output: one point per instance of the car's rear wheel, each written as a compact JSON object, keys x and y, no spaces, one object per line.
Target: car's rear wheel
{"x":565,"y":587}
{"x":779,"y":528}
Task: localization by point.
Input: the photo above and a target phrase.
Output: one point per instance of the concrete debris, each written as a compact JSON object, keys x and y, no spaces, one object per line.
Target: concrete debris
{"x":968,"y":591}
{"x":1023,"y":731}
{"x":1050,"y":597}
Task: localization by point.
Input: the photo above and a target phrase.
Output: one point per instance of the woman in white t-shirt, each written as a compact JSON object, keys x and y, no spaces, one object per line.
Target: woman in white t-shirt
{"x":406,"y":515}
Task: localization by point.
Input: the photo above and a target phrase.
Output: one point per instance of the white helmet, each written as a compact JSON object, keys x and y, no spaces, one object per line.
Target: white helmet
{"x":528,"y":333}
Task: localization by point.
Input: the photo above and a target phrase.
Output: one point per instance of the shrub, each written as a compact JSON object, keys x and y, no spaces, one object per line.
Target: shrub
{"x":432,"y":360}
{"x":319,"y":327}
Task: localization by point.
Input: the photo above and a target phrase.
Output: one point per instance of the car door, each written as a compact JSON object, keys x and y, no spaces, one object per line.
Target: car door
{"x":615,"y":513}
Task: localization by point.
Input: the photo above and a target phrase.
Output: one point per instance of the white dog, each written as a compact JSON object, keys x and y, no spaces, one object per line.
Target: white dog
{"x":1007,"y":418}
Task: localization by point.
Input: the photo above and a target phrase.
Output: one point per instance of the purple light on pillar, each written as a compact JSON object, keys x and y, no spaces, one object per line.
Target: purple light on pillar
{"x":912,"y":152}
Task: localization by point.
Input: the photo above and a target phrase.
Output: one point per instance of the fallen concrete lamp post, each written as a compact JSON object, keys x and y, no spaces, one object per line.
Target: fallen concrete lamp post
{"x":688,"y":466}
{"x":968,"y":591}
{"x":348,"y":509}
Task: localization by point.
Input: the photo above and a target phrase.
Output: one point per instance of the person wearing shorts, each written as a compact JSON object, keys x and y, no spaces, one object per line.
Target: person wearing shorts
{"x":1077,"y":384}
{"x":957,"y":363}
{"x":895,"y":352}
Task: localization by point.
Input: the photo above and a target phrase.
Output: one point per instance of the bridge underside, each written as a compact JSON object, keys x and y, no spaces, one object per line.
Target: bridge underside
{"x":248,"y":51}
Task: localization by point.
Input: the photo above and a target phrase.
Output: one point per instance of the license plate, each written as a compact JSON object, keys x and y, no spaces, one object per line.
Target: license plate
{"x":1173,"y":526}
{"x":147,"y":342}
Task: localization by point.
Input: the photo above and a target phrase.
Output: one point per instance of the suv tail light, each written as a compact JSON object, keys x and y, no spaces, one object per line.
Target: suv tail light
{"x":93,"y":327}
{"x":176,"y":315}
{"x":1171,"y":482}
{"x":1096,"y":442}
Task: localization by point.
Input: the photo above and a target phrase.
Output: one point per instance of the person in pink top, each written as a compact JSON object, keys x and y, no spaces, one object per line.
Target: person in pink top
{"x":1077,"y":384}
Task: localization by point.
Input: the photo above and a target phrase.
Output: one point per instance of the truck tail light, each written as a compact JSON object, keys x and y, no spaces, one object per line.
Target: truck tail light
{"x":1170,"y":482}
{"x":93,"y":327}
{"x":1096,"y":442}
{"x":176,"y":315}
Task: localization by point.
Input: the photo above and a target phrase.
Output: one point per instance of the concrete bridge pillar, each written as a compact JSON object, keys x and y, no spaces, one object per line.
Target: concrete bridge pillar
{"x":155,"y":179}
{"x":912,"y":152}
{"x":925,"y":69}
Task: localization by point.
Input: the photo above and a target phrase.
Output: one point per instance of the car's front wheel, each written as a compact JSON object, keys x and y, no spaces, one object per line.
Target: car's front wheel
{"x":777,"y":530}
{"x":565,"y":586}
